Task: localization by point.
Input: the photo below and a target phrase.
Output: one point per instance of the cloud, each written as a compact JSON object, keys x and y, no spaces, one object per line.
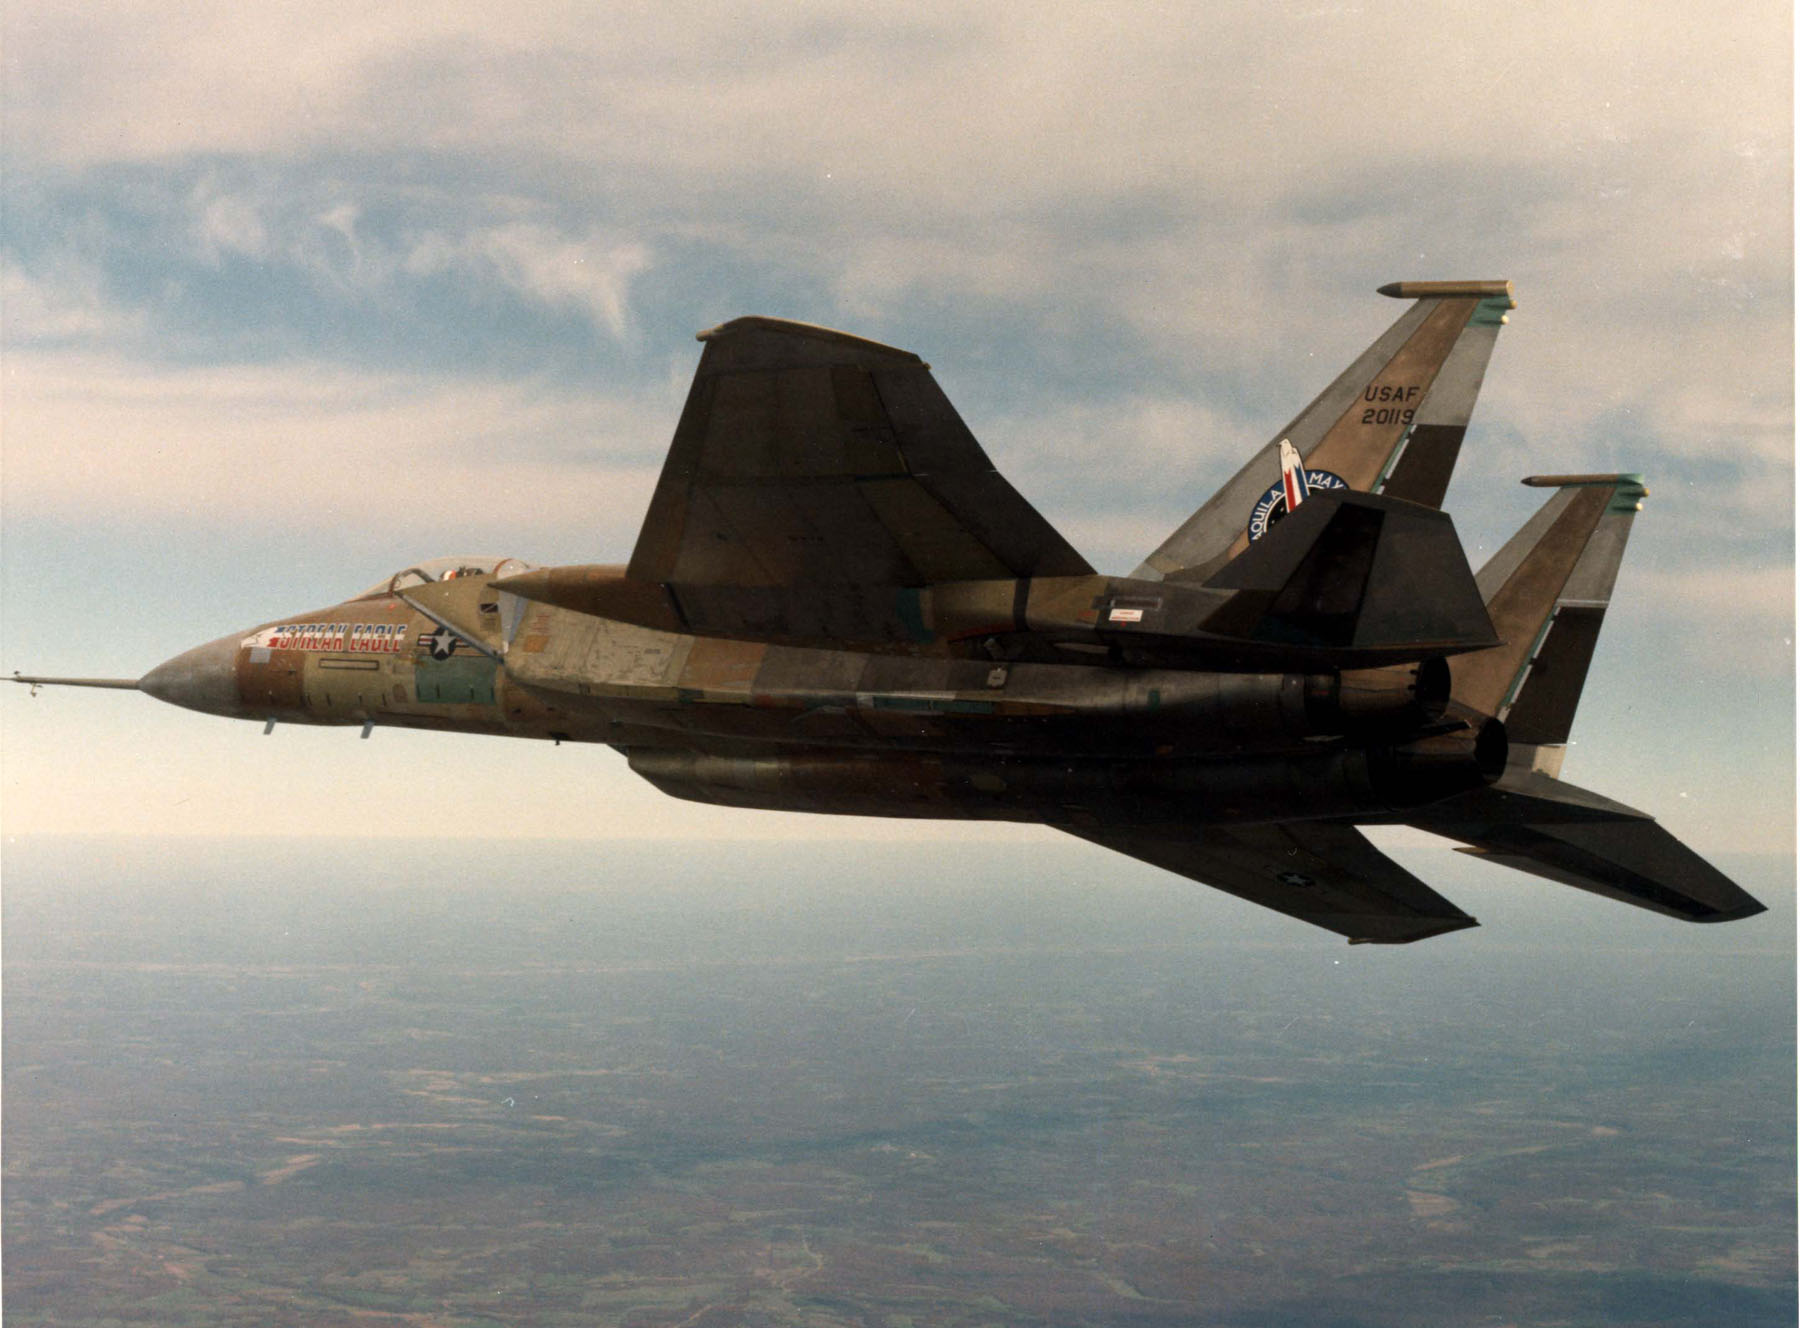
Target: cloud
{"x":1208,"y":194}
{"x":1116,"y":477}
{"x":64,"y":305}
{"x":228,"y":224}
{"x":1720,"y":621}
{"x":245,"y":260}
{"x":311,"y":449}
{"x":433,"y":270}
{"x":941,"y":109}
{"x":1114,"y":98}
{"x":588,"y":275}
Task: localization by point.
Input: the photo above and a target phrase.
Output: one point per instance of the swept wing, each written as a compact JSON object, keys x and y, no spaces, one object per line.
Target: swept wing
{"x":811,"y":458}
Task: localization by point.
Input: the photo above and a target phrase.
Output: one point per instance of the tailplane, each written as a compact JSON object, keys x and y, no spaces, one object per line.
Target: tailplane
{"x":1392,"y":424}
{"x":1537,"y":824}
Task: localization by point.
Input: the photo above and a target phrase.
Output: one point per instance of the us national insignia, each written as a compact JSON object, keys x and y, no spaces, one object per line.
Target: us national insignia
{"x":441,"y":643}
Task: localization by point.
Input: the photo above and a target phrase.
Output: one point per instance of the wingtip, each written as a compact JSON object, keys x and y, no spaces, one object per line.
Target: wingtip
{"x":1748,"y":909}
{"x":1431,"y":927}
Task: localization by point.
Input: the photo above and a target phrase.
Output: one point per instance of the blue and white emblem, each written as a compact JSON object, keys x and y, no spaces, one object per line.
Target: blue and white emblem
{"x":1289,"y":492}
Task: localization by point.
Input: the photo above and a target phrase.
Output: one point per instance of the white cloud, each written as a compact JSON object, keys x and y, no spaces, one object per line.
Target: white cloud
{"x":588,"y":275}
{"x":1216,"y":178}
{"x":1721,"y":621}
{"x":66,"y":304}
{"x":1117,"y":477}
{"x":109,"y":441}
{"x":982,"y":105}
{"x":281,"y":223}
{"x":227,"y":223}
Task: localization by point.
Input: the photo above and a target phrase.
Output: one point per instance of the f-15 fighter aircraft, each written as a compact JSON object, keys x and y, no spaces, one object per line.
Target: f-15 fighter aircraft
{"x":837,"y":604}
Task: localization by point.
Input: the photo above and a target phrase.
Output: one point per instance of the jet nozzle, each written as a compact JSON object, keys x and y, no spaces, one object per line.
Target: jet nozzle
{"x":1430,"y":769}
{"x":1397,"y":698}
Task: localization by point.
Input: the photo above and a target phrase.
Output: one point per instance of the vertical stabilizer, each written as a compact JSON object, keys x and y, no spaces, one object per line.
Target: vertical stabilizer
{"x":1392,"y":423}
{"x":1547,"y":591}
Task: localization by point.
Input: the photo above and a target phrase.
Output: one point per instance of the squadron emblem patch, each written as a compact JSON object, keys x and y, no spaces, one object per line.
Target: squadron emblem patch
{"x":1273,"y":505}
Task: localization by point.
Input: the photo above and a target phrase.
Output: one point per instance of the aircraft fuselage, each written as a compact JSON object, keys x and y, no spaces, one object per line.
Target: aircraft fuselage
{"x":931,"y":733}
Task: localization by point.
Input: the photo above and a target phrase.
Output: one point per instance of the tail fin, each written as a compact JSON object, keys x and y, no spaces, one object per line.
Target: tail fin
{"x":1392,"y":424}
{"x":1547,"y":592}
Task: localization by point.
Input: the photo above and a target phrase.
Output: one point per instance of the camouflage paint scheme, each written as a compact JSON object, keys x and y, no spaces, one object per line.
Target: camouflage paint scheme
{"x":836,"y":604}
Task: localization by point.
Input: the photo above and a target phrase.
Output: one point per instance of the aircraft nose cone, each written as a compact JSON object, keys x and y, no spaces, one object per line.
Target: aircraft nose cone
{"x":204,"y":678}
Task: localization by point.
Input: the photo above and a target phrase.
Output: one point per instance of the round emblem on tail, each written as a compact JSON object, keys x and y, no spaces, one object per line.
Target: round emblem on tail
{"x":1272,"y":506}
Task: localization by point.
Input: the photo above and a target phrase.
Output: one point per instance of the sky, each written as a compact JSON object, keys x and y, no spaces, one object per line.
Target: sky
{"x":297,"y":295}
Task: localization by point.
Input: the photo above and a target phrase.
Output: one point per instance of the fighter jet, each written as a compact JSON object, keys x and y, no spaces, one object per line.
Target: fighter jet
{"x":836,"y":604}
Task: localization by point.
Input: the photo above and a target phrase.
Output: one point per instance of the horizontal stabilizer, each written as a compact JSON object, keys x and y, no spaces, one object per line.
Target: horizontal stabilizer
{"x":1316,"y":871}
{"x":1391,"y":423}
{"x":1566,"y":834}
{"x":1351,"y":571}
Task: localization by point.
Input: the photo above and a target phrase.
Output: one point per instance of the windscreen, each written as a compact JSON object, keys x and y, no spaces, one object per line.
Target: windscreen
{"x":446,"y":569}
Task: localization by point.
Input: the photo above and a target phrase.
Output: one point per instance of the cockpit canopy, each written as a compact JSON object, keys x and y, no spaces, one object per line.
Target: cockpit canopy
{"x":447,"y":569}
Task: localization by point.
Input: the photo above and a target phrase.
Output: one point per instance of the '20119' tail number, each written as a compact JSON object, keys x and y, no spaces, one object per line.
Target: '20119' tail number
{"x":1394,"y":403}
